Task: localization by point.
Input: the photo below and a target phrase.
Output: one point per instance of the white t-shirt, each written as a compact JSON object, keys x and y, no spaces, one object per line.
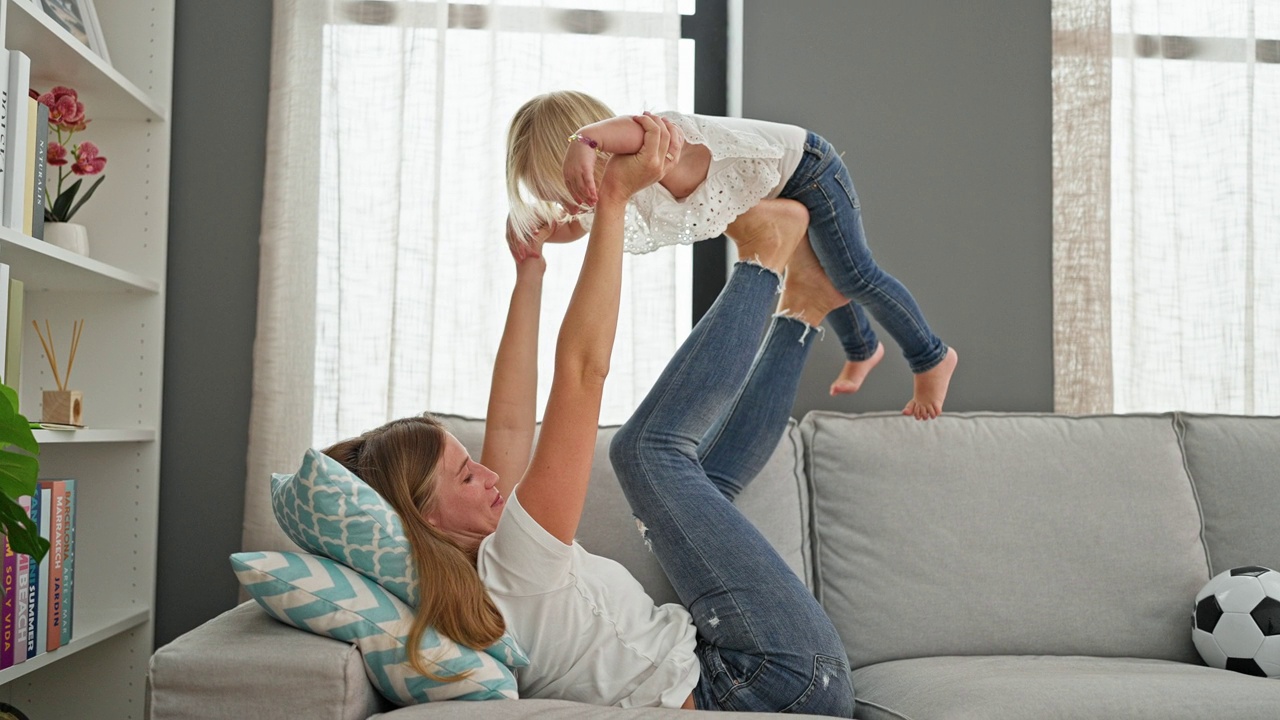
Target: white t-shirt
{"x":750,"y":160}
{"x":591,"y":632}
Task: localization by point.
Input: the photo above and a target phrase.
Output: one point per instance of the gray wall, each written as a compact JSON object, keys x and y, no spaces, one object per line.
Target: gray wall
{"x":221,"y":65}
{"x":943,"y":111}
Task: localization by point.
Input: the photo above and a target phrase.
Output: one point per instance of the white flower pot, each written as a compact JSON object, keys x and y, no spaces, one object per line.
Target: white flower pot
{"x":71,"y":236}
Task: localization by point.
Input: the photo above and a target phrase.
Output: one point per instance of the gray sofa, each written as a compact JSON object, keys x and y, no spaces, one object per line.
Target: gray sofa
{"x":984,"y":566}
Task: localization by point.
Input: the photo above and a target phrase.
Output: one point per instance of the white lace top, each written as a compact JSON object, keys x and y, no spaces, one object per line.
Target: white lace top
{"x":750,"y":160}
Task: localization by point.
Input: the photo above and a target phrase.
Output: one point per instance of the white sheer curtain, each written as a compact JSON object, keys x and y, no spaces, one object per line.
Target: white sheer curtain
{"x":1191,"y":320}
{"x":384,"y":275}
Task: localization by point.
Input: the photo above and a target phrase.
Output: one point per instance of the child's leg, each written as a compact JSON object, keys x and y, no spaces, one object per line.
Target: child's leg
{"x":822,"y":183}
{"x":861,"y":348}
{"x":765,"y":643}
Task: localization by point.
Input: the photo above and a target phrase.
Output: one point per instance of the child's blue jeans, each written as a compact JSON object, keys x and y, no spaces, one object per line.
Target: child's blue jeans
{"x":821,"y":182}
{"x":704,"y":431}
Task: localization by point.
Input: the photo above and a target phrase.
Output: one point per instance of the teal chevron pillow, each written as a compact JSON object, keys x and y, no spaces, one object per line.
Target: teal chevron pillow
{"x":327,"y":510}
{"x":327,"y":598}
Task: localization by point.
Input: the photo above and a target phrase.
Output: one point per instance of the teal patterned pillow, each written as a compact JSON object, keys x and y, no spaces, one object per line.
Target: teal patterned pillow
{"x":328,"y":511}
{"x":327,"y":598}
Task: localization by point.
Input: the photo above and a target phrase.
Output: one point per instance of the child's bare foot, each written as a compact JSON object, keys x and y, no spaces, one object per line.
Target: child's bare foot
{"x":769,"y":232}
{"x":931,"y":388}
{"x":854,"y":372}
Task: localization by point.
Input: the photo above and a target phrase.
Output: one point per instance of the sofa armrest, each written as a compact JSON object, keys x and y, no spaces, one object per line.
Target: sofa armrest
{"x":243,"y":664}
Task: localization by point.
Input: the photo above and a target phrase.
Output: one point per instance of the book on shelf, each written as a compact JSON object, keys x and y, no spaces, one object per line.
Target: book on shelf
{"x":22,"y":596}
{"x":69,"y":559}
{"x":8,"y":606}
{"x":13,"y":335}
{"x":39,"y":171}
{"x":15,"y":157}
{"x":57,"y":561}
{"x":5,"y":277}
{"x":41,"y":624}
{"x":29,"y":179}
{"x":4,"y":125}
{"x":34,"y":616}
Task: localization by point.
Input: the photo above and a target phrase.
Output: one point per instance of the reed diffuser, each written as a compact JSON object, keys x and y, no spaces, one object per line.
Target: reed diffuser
{"x":61,"y":406}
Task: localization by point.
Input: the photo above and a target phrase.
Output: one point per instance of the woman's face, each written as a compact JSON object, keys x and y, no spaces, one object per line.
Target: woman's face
{"x":468,"y":503}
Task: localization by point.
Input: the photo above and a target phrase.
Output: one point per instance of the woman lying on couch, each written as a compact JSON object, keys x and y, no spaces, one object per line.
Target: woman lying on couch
{"x":497,"y":536}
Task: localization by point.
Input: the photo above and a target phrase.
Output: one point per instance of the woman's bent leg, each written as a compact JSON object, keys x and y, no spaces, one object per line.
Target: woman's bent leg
{"x":766,"y":644}
{"x":735,"y":450}
{"x":743,"y":440}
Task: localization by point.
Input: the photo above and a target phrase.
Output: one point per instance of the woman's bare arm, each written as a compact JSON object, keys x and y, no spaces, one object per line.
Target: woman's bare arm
{"x":554,"y":488}
{"x":511,"y":417}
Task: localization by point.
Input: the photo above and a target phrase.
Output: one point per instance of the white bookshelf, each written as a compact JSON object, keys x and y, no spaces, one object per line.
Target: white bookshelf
{"x":119,"y":291}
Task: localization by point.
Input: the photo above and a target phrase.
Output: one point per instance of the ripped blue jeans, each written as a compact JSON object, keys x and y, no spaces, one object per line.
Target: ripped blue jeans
{"x":704,"y":431}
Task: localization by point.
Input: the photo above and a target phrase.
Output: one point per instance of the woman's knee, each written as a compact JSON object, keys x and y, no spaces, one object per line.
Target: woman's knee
{"x":635,"y":447}
{"x":629,"y":448}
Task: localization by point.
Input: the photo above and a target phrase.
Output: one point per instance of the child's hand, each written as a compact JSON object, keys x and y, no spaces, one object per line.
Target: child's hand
{"x":580,"y":174}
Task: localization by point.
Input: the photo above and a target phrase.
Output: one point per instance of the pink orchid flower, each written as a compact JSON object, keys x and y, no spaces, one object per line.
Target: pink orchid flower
{"x":65,"y":108}
{"x":57,"y":154}
{"x":66,"y":192}
{"x":87,"y":160}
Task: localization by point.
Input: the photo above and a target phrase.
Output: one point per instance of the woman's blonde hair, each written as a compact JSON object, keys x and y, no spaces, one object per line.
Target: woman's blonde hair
{"x":399,"y":460}
{"x":536,"y":143}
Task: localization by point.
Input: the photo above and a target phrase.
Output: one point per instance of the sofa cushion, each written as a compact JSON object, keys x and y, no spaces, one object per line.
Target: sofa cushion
{"x":1235,"y":465}
{"x":1058,"y":688}
{"x":242,"y":664}
{"x":777,"y":502}
{"x":1004,"y":534}
{"x":327,"y":598}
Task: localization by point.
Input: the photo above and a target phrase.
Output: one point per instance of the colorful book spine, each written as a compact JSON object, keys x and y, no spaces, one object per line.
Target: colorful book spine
{"x":15,"y":157}
{"x":4,"y":127}
{"x":13,"y":342}
{"x":46,"y":564}
{"x":33,"y":583}
{"x":29,"y":180}
{"x":5,"y":277}
{"x":69,"y":563}
{"x":57,"y":561}
{"x":41,"y":133}
{"x":23,"y":596}
{"x":7,"y":606}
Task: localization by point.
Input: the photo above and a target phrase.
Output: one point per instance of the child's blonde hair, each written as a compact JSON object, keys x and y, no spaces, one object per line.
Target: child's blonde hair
{"x":536,"y":145}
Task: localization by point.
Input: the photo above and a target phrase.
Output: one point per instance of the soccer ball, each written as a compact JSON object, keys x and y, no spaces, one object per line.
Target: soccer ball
{"x":1236,"y":621}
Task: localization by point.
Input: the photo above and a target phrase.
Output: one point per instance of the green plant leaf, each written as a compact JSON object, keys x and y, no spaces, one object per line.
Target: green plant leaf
{"x":86,"y":197}
{"x":63,"y":203}
{"x":11,"y":395}
{"x":14,"y":428}
{"x":21,"y":530}
{"x":18,"y":474}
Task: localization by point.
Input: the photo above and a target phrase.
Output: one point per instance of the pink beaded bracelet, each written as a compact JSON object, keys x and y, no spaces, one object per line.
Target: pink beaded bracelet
{"x":576,"y":137}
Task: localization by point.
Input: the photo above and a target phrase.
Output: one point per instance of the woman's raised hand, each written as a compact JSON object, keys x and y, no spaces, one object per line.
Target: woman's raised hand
{"x":627,"y":174}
